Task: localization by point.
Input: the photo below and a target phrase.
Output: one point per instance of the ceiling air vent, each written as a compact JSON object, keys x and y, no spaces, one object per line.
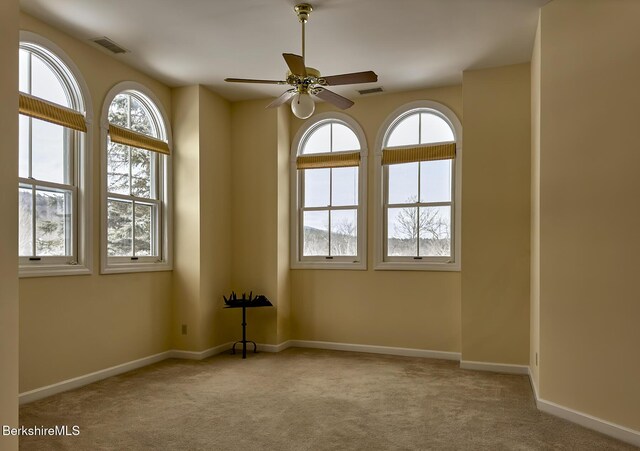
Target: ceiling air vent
{"x":109,"y":45}
{"x":364,"y":92}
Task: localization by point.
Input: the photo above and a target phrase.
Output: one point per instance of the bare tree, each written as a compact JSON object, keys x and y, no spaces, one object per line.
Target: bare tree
{"x":344,"y":239}
{"x":423,"y":225}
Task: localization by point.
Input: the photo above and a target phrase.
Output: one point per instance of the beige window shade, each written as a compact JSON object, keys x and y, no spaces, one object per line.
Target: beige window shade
{"x":128,"y":137}
{"x":50,"y":112}
{"x":337,"y":160}
{"x":420,"y":153}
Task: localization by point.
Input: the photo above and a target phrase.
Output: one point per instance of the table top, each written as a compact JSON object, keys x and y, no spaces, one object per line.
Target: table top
{"x":249,"y":304}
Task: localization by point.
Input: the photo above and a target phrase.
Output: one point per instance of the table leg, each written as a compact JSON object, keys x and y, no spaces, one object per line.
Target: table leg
{"x":244,"y":332}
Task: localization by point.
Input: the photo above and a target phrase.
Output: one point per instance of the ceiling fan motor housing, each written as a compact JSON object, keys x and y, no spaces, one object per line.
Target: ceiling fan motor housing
{"x":303,"y":10}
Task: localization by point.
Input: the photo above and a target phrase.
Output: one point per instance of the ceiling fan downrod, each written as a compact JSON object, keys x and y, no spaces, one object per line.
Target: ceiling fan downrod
{"x":303,"y":10}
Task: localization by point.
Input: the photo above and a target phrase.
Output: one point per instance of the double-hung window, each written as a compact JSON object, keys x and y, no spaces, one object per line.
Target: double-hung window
{"x":136,"y":193}
{"x":52,"y":194}
{"x":329,"y":170}
{"x":420,"y":197}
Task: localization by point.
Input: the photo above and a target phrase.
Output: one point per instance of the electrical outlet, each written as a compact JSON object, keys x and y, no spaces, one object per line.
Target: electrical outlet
{"x":184,"y":329}
{"x":536,"y":359}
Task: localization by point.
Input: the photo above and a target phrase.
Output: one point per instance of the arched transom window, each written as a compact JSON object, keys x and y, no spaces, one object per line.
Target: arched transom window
{"x":329,"y":171}
{"x":136,"y":176}
{"x":51,"y":163}
{"x":419,"y":153}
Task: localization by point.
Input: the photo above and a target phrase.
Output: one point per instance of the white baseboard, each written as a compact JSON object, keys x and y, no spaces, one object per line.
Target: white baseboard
{"x":534,"y":386}
{"x":199,"y":355}
{"x":494,"y":367}
{"x":584,"y":419}
{"x":274,"y":348}
{"x":76,"y":382}
{"x":86,"y":379}
{"x":406,"y":352}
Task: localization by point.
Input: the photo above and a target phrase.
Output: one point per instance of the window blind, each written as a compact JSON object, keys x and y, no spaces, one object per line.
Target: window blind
{"x":332,"y":160}
{"x":419,"y":153}
{"x":128,"y":137}
{"x":50,"y":112}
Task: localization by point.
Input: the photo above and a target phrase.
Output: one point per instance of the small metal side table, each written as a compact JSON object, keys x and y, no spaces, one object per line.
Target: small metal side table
{"x":259,"y":301}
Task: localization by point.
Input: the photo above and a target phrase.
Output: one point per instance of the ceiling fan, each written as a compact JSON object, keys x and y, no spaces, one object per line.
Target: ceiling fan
{"x":307,"y":80}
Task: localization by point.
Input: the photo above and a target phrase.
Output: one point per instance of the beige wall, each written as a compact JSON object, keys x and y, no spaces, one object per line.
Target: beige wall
{"x":411,"y":309}
{"x":589,"y":215}
{"x":283,"y":272}
{"x":215,"y":210}
{"x":259,"y":213}
{"x":74,"y":325}
{"x":534,"y":308}
{"x":202,"y":187}
{"x":8,"y":220}
{"x":495,"y":215}
{"x":186,"y":187}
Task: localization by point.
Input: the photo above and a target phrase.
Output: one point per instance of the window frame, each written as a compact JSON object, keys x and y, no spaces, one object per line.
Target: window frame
{"x":436,"y":263}
{"x":79,"y":167}
{"x":297,"y":194}
{"x":163,"y":187}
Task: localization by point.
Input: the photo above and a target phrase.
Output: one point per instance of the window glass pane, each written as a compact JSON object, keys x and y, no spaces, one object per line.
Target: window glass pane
{"x":316,"y":187}
{"x":23,"y":146}
{"x":118,"y":168}
{"x":119,"y":110}
{"x":316,"y":233}
{"x":49,"y":154}
{"x":24,"y":71}
{"x":434,"y":129}
{"x":402,"y":231}
{"x":319,"y":141}
{"x":141,"y":119}
{"x":405,"y":133}
{"x":119,"y":227}
{"x":344,"y":186}
{"x":25,"y":224}
{"x":53,"y":226}
{"x":435,"y":231}
{"x":45,"y":83}
{"x":343,"y":138}
{"x":435,"y":181}
{"x":344,"y":232}
{"x":144,"y":230}
{"x":141,"y":173}
{"x":403,"y":183}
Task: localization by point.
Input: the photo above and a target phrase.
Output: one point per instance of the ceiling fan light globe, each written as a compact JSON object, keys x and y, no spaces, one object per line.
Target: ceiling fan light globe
{"x":302,"y":106}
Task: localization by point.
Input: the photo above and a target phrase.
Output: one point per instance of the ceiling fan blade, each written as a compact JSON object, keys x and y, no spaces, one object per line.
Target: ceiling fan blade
{"x":333,"y":98}
{"x":282,"y":99}
{"x":295,"y":63}
{"x":250,"y":80}
{"x":353,"y":78}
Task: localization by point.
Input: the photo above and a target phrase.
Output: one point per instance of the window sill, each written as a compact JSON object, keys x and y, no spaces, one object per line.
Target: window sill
{"x":414,"y":266}
{"x":122,"y":268}
{"x":52,"y":271}
{"x":358,"y":266}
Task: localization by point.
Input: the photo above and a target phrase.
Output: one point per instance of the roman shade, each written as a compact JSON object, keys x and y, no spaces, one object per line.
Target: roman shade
{"x":419,"y":153}
{"x":331,"y":160}
{"x":50,"y":112}
{"x":128,"y":137}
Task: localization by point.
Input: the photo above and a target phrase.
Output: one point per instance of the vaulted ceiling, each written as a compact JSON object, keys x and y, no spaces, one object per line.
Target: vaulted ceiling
{"x":410,"y":44}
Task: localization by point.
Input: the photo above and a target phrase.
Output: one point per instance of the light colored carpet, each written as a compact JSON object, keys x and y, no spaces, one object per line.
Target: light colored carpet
{"x":306,"y":399}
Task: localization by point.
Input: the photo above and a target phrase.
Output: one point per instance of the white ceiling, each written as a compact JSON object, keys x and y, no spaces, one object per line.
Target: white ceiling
{"x":410,"y":44}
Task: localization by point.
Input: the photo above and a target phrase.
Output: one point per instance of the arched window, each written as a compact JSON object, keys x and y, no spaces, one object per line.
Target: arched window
{"x":52,"y":193}
{"x":419,"y":161}
{"x":329,"y":182}
{"x":135,"y":232}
